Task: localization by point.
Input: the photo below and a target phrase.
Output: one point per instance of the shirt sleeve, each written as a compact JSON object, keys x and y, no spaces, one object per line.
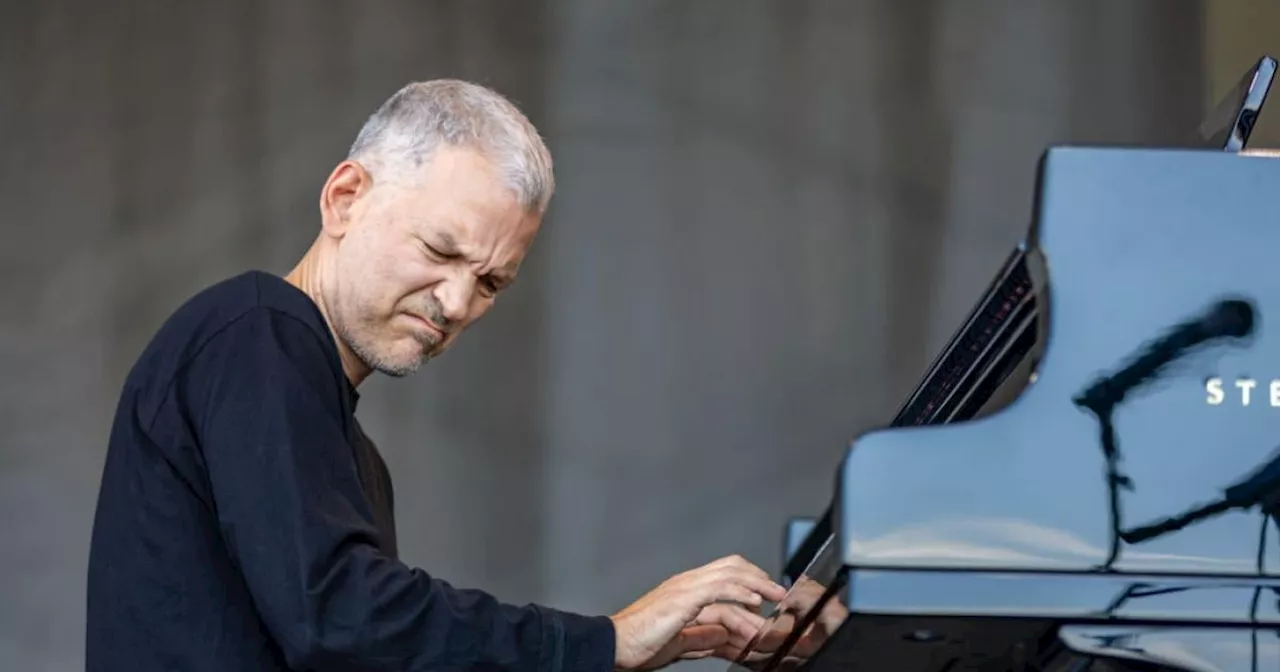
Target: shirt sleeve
{"x":296,"y":521}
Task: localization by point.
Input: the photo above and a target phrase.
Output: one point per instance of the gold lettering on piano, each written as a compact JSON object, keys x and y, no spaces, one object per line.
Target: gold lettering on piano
{"x":1218,"y":391}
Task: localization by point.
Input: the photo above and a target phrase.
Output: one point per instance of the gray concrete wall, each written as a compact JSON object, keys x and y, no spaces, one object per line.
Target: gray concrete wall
{"x":771,"y":216}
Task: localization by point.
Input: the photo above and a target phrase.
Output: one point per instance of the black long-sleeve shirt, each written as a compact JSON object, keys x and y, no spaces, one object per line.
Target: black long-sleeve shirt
{"x":245,"y":522}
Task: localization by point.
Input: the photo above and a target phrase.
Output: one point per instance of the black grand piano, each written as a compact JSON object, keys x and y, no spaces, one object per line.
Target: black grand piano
{"x":1088,"y":476}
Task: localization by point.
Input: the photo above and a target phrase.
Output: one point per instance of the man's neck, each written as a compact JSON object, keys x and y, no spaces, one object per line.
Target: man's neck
{"x":308,"y":276}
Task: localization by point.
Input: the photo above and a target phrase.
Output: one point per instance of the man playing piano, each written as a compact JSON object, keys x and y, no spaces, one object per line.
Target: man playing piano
{"x":245,"y":522}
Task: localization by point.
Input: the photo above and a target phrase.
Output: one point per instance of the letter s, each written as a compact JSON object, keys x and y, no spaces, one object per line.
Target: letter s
{"x":1213,"y":389}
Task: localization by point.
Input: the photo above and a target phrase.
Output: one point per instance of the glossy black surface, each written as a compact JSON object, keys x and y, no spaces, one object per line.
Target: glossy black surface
{"x":989,"y":353}
{"x":1134,"y":243}
{"x":988,"y":360}
{"x":1014,"y":540}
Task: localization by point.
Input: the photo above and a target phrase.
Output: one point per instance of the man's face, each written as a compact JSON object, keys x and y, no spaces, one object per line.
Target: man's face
{"x":421,"y":257}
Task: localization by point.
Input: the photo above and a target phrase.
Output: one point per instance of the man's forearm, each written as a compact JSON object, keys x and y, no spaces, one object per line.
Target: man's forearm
{"x":375,"y":613}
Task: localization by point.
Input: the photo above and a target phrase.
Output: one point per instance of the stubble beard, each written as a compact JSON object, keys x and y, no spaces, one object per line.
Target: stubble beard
{"x":366,"y":350}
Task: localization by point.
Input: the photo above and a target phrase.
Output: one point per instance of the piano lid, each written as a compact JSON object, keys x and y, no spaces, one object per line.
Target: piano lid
{"x":1236,"y":123}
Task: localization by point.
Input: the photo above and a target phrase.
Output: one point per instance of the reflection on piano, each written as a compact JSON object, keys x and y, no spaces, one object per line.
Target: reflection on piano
{"x":1088,"y":477}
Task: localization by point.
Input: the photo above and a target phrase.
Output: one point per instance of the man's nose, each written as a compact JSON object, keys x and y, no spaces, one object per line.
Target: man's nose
{"x":454,"y":296}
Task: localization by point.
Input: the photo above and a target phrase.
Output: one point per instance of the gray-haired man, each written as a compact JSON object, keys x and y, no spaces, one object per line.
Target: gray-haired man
{"x":245,"y":521}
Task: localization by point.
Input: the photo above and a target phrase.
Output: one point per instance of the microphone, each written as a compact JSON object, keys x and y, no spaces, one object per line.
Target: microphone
{"x":1228,"y":318}
{"x":1259,"y":488}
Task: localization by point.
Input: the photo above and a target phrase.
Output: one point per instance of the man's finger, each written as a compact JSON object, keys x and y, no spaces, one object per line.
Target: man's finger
{"x":723,"y":591}
{"x":702,"y":638}
{"x":754,"y":656}
{"x":737,"y":563}
{"x":747,"y":565}
{"x":770,"y":589}
{"x":762,"y":585}
{"x":741,"y":623}
{"x":775,"y":634}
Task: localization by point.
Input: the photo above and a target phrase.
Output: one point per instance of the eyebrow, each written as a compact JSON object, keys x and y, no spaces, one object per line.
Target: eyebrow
{"x":504,"y":274}
{"x":447,"y":240}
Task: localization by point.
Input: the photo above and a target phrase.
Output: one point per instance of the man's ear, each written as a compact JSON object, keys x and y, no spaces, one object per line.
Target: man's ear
{"x":346,"y":187}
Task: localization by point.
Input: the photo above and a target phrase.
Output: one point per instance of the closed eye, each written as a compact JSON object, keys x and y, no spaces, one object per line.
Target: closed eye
{"x":438,"y":253}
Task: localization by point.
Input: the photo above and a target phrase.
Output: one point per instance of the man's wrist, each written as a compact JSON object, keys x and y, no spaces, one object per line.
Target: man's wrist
{"x":590,"y":643}
{"x":618,"y":654}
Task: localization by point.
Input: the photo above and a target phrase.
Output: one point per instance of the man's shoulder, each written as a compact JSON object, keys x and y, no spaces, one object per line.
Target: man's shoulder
{"x":253,"y":304}
{"x":217,"y":308}
{"x":221,"y":304}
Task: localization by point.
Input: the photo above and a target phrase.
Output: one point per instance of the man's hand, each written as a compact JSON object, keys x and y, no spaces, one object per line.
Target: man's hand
{"x":681,"y":618}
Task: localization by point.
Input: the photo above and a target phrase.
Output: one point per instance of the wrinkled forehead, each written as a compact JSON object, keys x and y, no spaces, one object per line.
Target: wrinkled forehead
{"x":494,"y":223}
